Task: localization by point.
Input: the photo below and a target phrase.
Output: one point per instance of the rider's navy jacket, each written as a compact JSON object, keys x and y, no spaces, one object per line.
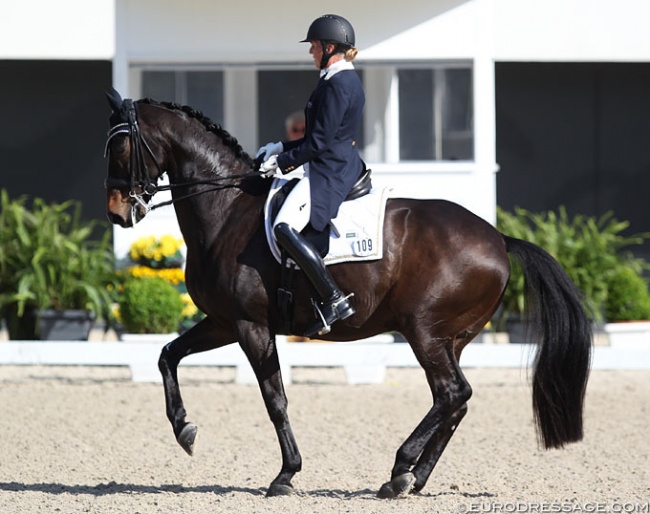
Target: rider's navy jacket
{"x":332,"y":120}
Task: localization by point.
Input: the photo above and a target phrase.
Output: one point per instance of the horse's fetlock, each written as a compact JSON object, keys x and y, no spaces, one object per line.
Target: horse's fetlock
{"x":404,"y":461}
{"x":464,"y":394}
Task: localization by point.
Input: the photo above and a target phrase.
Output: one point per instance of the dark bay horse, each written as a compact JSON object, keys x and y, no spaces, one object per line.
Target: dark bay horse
{"x":441,"y":279}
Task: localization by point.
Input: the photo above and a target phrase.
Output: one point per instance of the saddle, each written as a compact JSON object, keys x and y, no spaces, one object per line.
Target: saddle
{"x":319,"y":239}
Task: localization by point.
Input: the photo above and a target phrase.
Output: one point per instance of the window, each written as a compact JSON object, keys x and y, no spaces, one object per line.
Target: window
{"x":203,"y":90}
{"x":435,"y":114}
{"x":279,"y":94}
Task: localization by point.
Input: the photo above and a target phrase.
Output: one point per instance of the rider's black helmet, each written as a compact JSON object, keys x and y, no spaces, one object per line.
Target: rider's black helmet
{"x":331,"y":27}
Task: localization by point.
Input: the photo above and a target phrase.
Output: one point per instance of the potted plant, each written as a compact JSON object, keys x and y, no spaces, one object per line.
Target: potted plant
{"x":149,"y":305}
{"x":52,"y":268}
{"x":628,"y":298}
{"x":162,"y":257}
{"x":628,"y":308}
{"x":590,"y":249}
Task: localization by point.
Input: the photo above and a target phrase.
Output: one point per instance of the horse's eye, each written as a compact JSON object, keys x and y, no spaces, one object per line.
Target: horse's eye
{"x":120,"y":146}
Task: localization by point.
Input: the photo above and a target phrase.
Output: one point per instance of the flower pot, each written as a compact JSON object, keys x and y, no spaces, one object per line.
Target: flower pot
{"x":516,"y":327}
{"x":21,"y":328}
{"x":65,"y":325}
{"x":628,"y":334}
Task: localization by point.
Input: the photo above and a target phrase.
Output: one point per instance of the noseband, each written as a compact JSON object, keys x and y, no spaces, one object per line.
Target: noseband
{"x":140,"y":182}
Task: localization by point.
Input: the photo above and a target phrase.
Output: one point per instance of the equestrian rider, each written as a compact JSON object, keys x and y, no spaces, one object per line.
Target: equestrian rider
{"x":329,"y":156}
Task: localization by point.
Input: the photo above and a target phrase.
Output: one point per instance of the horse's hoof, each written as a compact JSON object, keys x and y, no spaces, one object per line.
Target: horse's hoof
{"x":187,"y":437}
{"x":398,"y":487}
{"x":280,"y":490}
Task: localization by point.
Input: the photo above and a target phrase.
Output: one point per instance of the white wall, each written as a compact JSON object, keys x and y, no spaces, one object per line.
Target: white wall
{"x":572,"y":30}
{"x":269,"y":31}
{"x":57,"y":29}
{"x":256,"y":31}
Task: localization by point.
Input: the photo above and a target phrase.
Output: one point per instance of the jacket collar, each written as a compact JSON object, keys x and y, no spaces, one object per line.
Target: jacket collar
{"x":341,"y":65}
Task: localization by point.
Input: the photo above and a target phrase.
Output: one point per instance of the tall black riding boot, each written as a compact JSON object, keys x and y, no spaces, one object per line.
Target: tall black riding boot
{"x":334,"y":304}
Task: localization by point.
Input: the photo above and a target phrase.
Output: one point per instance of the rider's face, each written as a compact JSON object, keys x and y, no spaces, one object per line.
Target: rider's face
{"x":316,"y":51}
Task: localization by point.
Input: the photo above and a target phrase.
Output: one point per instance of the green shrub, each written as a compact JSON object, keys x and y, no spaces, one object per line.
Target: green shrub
{"x":50,"y":258}
{"x":150,"y":306}
{"x":590,"y":250}
{"x":628,"y":298}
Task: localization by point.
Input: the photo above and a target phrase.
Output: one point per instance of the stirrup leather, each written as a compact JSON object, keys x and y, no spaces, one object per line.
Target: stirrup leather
{"x":319,"y":314}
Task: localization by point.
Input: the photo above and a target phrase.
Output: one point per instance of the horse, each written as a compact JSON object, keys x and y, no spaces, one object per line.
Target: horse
{"x":440,"y":280}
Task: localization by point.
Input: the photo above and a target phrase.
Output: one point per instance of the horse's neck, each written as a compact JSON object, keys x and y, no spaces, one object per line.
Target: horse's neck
{"x":207,"y":218}
{"x":207,"y":214}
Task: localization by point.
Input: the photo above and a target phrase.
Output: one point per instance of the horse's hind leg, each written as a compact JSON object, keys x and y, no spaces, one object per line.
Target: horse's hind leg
{"x":420,"y":452}
{"x":201,"y":337}
{"x":434,"y":448}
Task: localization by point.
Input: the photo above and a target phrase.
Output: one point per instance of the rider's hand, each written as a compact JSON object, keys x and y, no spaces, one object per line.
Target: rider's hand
{"x":270,"y":149}
{"x":269,"y":166}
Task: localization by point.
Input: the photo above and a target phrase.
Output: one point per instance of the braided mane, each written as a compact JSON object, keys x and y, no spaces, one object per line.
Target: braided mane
{"x":230,"y":141}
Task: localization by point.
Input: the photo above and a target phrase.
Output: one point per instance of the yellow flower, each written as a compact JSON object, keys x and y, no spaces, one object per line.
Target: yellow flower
{"x":169,"y":245}
{"x":153,"y":248}
{"x":172,"y":275}
{"x":115,"y":310}
{"x":189,"y":309}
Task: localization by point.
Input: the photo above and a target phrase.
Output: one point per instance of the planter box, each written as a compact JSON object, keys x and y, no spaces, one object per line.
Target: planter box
{"x":517,"y":330}
{"x":630,"y":334}
{"x":67,"y":325}
{"x":148,"y":338}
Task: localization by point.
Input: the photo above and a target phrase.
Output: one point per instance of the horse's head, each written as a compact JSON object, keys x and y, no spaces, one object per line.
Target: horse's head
{"x":133,"y":167}
{"x":148,"y":138}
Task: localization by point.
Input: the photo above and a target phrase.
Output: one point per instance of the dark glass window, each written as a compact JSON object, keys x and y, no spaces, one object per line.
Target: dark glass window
{"x":435,"y":114}
{"x":202,"y":90}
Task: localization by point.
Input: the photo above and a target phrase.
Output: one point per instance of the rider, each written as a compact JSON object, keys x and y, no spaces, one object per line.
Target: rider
{"x":329,"y":156}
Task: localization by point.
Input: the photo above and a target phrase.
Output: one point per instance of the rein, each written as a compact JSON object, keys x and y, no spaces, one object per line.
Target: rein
{"x":140,"y":179}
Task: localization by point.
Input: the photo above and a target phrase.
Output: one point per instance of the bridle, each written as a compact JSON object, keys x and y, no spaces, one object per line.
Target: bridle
{"x":140,"y":179}
{"x":140,"y":182}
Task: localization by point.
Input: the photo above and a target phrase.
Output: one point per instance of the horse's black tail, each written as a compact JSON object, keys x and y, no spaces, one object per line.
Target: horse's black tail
{"x":562,"y":328}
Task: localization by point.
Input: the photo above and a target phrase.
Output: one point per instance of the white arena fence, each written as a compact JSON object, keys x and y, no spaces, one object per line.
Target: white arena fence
{"x":364,"y":361}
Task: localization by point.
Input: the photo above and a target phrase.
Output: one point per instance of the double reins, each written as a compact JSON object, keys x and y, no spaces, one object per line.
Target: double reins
{"x":140,"y":183}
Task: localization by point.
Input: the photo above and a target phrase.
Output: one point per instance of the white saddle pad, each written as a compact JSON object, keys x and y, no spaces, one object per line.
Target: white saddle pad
{"x":356,"y":233}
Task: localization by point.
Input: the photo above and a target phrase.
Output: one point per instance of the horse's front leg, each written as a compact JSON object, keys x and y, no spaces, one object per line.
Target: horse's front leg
{"x":203,"y":336}
{"x":260,"y":348}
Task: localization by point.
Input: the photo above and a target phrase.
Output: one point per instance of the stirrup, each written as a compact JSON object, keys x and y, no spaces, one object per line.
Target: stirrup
{"x":326,"y":326}
{"x":319,"y":313}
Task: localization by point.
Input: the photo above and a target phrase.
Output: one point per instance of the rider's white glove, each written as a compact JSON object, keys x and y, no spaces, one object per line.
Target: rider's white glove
{"x":270,"y":149}
{"x":269,"y":166}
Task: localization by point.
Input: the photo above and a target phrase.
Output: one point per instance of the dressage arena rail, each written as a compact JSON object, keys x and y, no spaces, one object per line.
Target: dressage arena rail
{"x":364,"y":361}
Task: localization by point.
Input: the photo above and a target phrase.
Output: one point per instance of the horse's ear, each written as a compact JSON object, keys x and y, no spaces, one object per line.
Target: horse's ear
{"x":114,"y":100}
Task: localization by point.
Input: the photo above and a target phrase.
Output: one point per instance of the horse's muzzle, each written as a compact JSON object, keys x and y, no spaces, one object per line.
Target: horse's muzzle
{"x":117,"y":219}
{"x":122,"y":210}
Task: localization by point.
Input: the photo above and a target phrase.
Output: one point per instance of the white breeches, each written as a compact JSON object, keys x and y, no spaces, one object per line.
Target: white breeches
{"x":296,"y":209}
